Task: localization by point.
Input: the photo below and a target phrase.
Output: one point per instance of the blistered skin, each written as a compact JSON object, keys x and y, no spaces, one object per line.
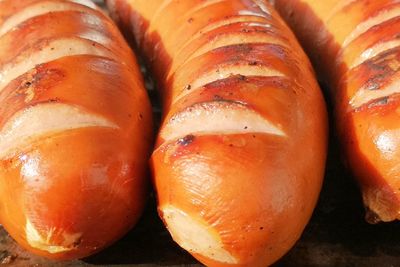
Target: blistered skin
{"x":75,"y":128}
{"x":356,"y":45}
{"x":240,"y":155}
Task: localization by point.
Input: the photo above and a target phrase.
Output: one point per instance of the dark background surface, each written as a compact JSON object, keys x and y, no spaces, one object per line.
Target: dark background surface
{"x":337,"y":234}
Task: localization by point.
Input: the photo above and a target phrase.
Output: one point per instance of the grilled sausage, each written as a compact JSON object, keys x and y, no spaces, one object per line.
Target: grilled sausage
{"x":75,"y":128}
{"x":240,"y":155}
{"x":356,"y":43}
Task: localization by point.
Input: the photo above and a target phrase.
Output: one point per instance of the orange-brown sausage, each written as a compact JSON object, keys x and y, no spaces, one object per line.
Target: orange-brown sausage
{"x":356,"y":46}
{"x":75,"y":128}
{"x":240,"y":154}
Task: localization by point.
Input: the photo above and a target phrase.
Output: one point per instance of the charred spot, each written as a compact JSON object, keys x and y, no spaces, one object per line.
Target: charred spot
{"x":387,"y":61}
{"x":244,"y":48}
{"x":187,"y":140}
{"x":38,"y":74}
{"x":253,"y":63}
{"x":245,"y":127}
{"x":54,"y":100}
{"x":379,"y":102}
{"x":237,"y":48}
{"x":187,"y":87}
{"x":27,"y":84}
{"x":375,"y":65}
{"x":232,"y":81}
{"x":241,"y":77}
{"x":375,"y":82}
{"x":372,"y":85}
{"x":37,"y":81}
{"x":77,"y":242}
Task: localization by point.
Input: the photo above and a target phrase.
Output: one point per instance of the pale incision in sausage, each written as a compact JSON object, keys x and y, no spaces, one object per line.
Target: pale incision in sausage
{"x":356,"y":47}
{"x":75,"y":128}
{"x":240,"y":155}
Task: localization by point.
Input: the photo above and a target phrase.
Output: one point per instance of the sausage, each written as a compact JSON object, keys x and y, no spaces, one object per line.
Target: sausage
{"x":240,"y":154}
{"x":75,"y":128}
{"x":357,"y":45}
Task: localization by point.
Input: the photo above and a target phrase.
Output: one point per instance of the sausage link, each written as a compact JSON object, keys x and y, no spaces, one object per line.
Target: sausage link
{"x":240,"y":155}
{"x":357,"y":45}
{"x":75,"y":128}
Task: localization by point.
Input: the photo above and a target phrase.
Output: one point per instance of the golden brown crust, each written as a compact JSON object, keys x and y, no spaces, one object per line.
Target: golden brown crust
{"x":75,"y":129}
{"x":238,"y":184}
{"x":356,"y":45}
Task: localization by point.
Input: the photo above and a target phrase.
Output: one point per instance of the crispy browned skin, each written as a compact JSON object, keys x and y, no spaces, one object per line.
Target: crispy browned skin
{"x":356,"y":47}
{"x":240,"y":155}
{"x":75,"y":128}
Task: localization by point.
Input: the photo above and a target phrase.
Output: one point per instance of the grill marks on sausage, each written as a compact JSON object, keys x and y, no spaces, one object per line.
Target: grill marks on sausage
{"x":366,"y":95}
{"x":62,"y":24}
{"x":222,"y":23}
{"x":221,"y":73}
{"x":38,"y":9}
{"x":379,"y":18}
{"x":240,"y":31}
{"x":51,"y":117}
{"x":376,"y":78}
{"x":228,"y":47}
{"x":374,"y":51}
{"x":246,"y":36}
{"x":373,"y":41}
{"x":49,"y":51}
{"x":217,"y":117}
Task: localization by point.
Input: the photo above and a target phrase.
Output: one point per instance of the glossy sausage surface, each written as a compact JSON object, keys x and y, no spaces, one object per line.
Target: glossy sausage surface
{"x":240,"y":155}
{"x":75,"y":128}
{"x":356,"y":47}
